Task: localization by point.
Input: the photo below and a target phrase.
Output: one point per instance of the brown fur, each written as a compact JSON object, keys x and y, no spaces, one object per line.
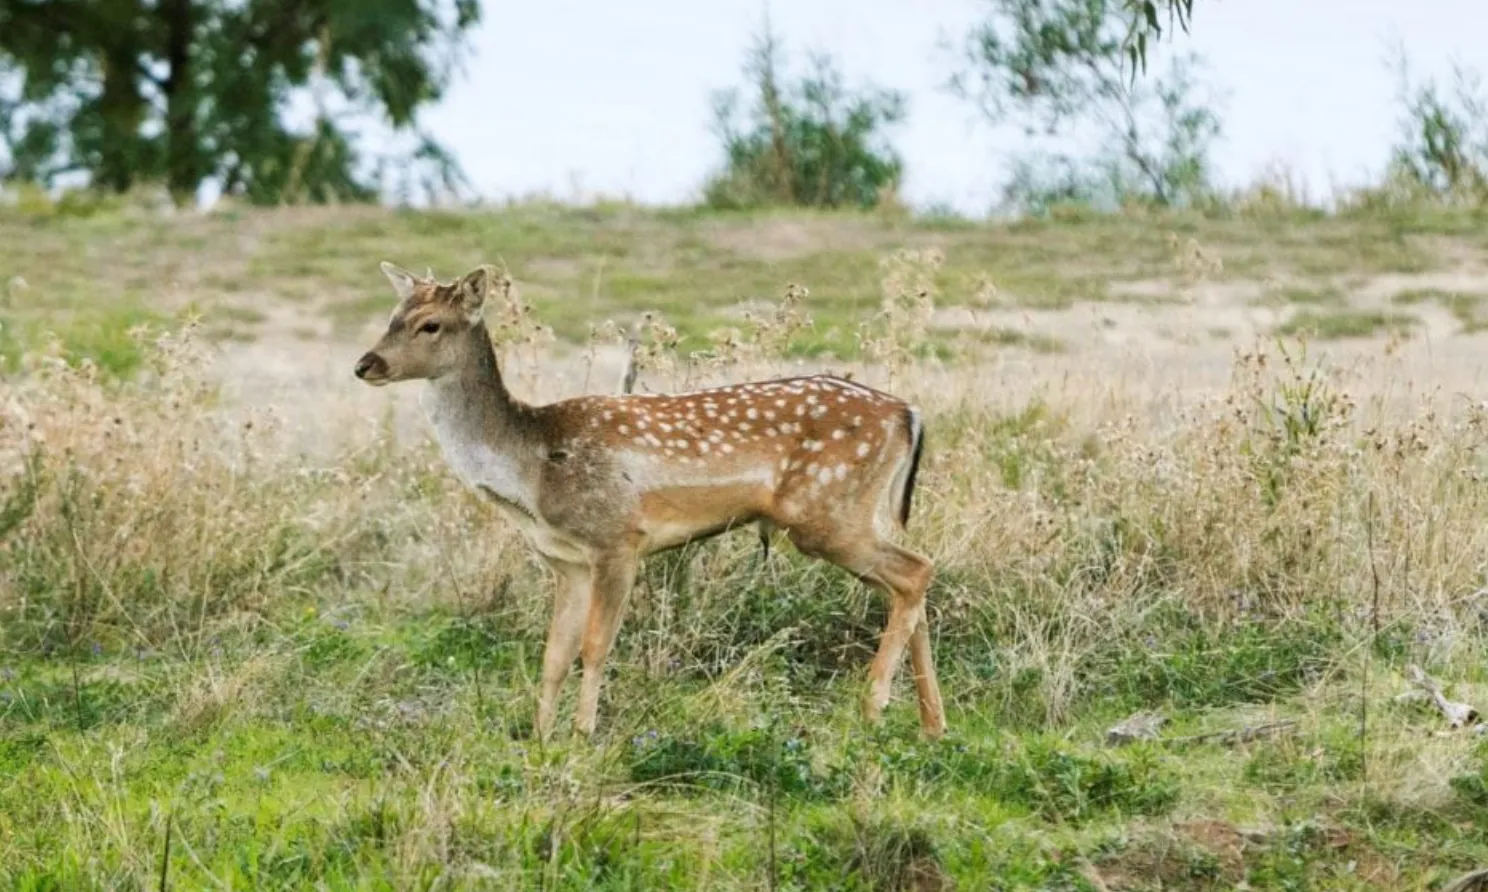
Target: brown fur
{"x":598,"y":482}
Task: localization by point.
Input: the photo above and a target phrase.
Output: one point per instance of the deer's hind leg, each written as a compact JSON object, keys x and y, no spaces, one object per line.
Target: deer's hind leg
{"x":904,"y":576}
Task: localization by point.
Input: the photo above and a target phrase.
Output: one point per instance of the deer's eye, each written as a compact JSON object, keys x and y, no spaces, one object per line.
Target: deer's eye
{"x":429,"y":327}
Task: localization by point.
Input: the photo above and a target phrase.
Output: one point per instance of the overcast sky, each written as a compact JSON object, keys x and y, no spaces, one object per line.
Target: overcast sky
{"x":613,"y":98}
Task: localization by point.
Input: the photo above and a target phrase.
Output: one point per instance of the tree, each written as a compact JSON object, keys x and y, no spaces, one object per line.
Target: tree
{"x":1146,"y":23}
{"x":811,"y":143}
{"x":1058,"y":69}
{"x":186,"y":91}
{"x":1442,"y":151}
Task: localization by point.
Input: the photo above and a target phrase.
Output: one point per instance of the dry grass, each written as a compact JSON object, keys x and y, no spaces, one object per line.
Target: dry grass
{"x":316,"y":665}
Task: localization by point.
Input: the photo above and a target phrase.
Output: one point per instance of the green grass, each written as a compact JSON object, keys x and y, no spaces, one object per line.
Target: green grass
{"x":1466,"y":308}
{"x":1010,"y":337}
{"x":371,"y":752}
{"x":102,"y":337}
{"x":321,"y":672}
{"x":579,"y":266}
{"x":1346,"y":323}
{"x":1328,"y":296}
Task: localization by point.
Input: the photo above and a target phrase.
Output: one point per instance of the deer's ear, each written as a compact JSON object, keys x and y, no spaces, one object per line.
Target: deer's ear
{"x":472,"y":290}
{"x":403,"y":281}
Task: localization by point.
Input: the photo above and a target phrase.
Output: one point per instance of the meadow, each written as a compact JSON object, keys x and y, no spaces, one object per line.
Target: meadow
{"x":1225,"y":470}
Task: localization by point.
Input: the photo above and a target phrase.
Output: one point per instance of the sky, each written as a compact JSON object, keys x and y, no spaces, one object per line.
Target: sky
{"x":583,"y":98}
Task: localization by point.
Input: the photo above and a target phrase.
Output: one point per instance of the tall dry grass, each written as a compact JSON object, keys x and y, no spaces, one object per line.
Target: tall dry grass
{"x":1070,"y":547}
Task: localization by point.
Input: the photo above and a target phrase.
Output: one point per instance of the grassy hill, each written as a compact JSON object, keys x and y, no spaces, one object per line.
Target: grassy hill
{"x":1224,"y":470}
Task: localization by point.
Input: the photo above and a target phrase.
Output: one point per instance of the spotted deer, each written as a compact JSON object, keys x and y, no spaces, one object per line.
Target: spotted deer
{"x":598,"y":482}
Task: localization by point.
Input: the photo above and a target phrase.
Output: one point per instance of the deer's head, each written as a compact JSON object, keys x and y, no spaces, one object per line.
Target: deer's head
{"x":426,"y":336}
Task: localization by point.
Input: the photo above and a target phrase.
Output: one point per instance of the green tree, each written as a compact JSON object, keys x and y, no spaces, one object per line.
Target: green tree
{"x":1058,"y":69}
{"x":1146,"y":22}
{"x":811,"y":143}
{"x":1442,"y":151}
{"x":185,"y":91}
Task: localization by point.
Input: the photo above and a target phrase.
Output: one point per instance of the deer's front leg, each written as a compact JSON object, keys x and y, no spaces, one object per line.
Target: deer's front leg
{"x":614,"y":573}
{"x":565,"y":631}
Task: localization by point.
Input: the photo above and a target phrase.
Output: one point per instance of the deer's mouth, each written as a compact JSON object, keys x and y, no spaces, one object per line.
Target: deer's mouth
{"x":373,"y":369}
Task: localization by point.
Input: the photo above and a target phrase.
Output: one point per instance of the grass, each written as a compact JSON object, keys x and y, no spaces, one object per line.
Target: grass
{"x":1327,"y":296}
{"x":1466,"y":308}
{"x":1326,"y":325}
{"x":613,"y":261}
{"x":274,"y":667}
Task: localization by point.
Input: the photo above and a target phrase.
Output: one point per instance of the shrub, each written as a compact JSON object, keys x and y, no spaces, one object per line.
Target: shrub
{"x":811,"y":143}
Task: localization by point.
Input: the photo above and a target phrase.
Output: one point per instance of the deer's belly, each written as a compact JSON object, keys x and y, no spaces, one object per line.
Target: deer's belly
{"x":673,"y":516}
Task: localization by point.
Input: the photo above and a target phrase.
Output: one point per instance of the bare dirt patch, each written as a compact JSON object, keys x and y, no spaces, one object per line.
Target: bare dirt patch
{"x":775,"y":239}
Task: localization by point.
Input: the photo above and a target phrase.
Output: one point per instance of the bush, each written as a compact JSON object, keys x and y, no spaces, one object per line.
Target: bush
{"x":811,"y":144}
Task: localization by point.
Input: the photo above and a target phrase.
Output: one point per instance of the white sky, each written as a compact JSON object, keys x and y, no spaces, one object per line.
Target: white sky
{"x":581,"y":97}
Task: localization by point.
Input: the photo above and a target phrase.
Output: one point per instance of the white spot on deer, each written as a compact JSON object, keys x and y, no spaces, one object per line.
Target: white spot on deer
{"x":653,"y":440}
{"x":818,"y":411}
{"x":727,"y":448}
{"x":800,"y":409}
{"x":608,"y":415}
{"x":785,"y":464}
{"x":840,"y":472}
{"x":824,"y":475}
{"x":665,"y":428}
{"x":770,"y":432}
{"x":863,"y":449}
{"x":839,"y":434}
{"x":641,"y":424}
{"x":752,"y":413}
{"x":780,"y":404}
{"x":624,"y":429}
{"x":640,"y":441}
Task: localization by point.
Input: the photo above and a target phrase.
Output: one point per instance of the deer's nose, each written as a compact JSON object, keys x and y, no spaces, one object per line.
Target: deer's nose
{"x":370,"y":364}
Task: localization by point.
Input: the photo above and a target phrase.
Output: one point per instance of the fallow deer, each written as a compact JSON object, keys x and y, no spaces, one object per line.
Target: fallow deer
{"x":598,"y":482}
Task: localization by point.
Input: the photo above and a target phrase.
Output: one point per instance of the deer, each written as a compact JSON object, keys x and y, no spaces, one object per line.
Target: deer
{"x":595,"y":483}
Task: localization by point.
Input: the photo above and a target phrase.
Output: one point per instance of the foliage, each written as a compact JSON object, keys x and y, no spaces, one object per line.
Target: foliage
{"x":1056,"y":69}
{"x":1146,"y":25}
{"x":811,"y":143}
{"x":189,"y":91}
{"x":1442,"y":151}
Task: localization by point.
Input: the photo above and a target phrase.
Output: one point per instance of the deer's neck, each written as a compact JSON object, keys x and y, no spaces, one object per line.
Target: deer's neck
{"x":486,"y":435}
